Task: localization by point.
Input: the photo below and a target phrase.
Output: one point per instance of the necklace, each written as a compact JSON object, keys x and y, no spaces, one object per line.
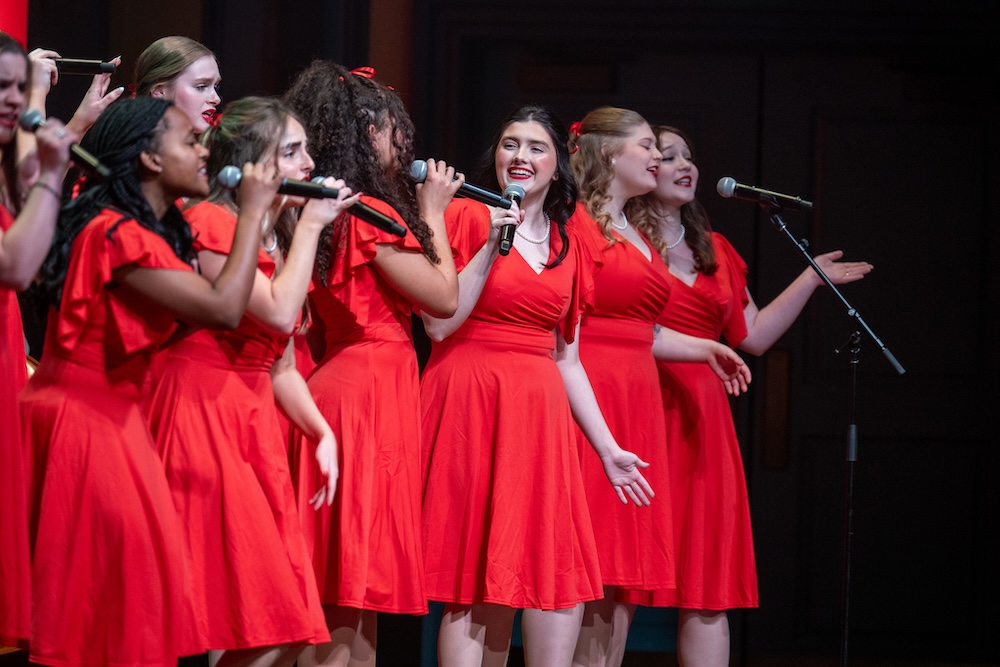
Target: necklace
{"x":624,"y":222}
{"x":548,"y":228}
{"x":272,"y":246}
{"x":671,"y":246}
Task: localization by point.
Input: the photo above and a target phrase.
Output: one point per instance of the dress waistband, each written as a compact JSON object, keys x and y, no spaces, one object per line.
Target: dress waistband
{"x":495,"y":332}
{"x":621,"y":330}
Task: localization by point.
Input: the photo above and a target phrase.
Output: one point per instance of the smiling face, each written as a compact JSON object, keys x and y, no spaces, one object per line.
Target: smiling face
{"x":181,"y":160}
{"x":195,"y":92}
{"x":636,"y":164}
{"x":525,"y":155}
{"x":13,"y":79}
{"x":677,"y":177}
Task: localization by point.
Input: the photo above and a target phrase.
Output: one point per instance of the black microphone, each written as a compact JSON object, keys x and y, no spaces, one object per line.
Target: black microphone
{"x":515,"y":193}
{"x":418,"y":174}
{"x":78,"y":66}
{"x":230,"y":176}
{"x":32,"y":119}
{"x":728,"y":187}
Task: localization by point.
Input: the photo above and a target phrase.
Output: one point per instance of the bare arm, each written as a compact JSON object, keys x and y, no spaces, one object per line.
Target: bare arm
{"x":767,"y":325}
{"x":278,"y":303}
{"x":430,"y":287}
{"x":670,"y":345}
{"x":217,"y":304}
{"x":292,"y":394}
{"x":621,"y":467}
{"x":472,"y":278}
{"x":24,"y":246}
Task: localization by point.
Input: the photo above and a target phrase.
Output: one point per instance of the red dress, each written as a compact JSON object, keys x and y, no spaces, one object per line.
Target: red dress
{"x":505,"y":515}
{"x":15,"y":565}
{"x":635,"y":544}
{"x":108,"y":580}
{"x":216,"y":427}
{"x":366,"y":547}
{"x":715,"y":556}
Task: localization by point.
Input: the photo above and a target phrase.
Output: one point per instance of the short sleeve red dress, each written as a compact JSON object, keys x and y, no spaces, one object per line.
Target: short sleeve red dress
{"x":505,"y":514}
{"x":635,"y":544}
{"x":216,"y":427}
{"x":15,"y":565}
{"x":716,"y":567}
{"x":366,"y":547}
{"x":108,"y":580}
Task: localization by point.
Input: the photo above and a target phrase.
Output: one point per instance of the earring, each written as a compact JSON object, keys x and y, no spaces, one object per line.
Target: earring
{"x":612,"y":162}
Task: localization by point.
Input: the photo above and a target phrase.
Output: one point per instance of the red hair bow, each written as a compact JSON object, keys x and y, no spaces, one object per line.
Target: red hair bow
{"x":574,"y":132}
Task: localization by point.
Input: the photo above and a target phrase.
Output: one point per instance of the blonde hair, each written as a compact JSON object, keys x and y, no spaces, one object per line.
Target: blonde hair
{"x":598,"y":138}
{"x":164,"y":60}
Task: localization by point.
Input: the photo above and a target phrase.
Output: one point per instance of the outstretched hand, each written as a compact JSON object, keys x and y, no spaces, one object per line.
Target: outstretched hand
{"x":622,"y":469}
{"x":840,"y":273}
{"x":730,"y":368}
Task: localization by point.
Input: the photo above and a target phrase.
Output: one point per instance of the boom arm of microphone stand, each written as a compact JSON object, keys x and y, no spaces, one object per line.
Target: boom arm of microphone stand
{"x":779,"y":223}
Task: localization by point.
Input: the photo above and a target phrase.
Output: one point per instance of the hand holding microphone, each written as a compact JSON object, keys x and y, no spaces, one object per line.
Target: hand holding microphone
{"x":229,"y":178}
{"x":32,"y":119}
{"x":418,"y":173}
{"x":513,"y":193}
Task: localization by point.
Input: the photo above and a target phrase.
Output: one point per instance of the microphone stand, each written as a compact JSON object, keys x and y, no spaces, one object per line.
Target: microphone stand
{"x":854,"y":346}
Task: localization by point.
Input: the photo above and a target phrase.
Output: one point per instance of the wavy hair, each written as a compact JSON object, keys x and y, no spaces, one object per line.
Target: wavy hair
{"x":560,"y":200}
{"x":249,"y":130}
{"x":121,"y":134}
{"x":694,"y":219}
{"x":597,"y":140}
{"x":337,"y":108}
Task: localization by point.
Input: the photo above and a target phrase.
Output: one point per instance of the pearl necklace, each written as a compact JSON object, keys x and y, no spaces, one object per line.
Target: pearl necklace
{"x":548,"y":229}
{"x":671,"y":246}
{"x":624,"y":220}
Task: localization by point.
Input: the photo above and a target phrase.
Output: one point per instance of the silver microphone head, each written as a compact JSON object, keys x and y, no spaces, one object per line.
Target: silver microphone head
{"x":318,"y":180}
{"x":229,"y":177}
{"x":514,"y":192}
{"x":726,"y":186}
{"x":30,"y":120}
{"x":418,"y":171}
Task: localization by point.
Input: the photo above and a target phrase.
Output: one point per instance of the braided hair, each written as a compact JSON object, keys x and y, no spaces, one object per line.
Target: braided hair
{"x":560,"y":200}
{"x":122,"y":132}
{"x":337,"y":108}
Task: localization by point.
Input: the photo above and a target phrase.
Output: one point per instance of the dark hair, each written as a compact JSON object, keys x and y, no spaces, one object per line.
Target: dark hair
{"x":164,"y":60}
{"x":560,"y":200}
{"x":249,"y":130}
{"x":694,"y":219}
{"x":8,"y":156}
{"x":598,"y":139}
{"x":337,"y":108}
{"x":122,"y":132}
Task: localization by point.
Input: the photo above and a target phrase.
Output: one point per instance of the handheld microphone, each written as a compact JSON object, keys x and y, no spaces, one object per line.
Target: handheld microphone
{"x":728,"y":187}
{"x":32,"y":119}
{"x":514,"y":193}
{"x":230,"y":176}
{"x":78,"y":66}
{"x":418,"y":174}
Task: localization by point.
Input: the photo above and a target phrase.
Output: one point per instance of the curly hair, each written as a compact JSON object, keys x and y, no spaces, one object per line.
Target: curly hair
{"x":598,"y":139}
{"x":121,"y":134}
{"x":249,"y":130}
{"x":9,"y":180}
{"x":560,"y":200}
{"x":337,"y":108}
{"x":164,"y":60}
{"x":698,"y":230}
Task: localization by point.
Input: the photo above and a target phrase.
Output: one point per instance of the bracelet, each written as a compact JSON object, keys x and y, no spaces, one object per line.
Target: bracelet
{"x":46,"y":186}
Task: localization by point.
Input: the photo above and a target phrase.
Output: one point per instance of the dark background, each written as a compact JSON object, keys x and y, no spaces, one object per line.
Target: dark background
{"x":883,"y":113}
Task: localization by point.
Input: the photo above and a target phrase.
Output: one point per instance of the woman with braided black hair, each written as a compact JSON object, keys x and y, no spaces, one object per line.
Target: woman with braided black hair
{"x":107,"y":571}
{"x":367,"y":549}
